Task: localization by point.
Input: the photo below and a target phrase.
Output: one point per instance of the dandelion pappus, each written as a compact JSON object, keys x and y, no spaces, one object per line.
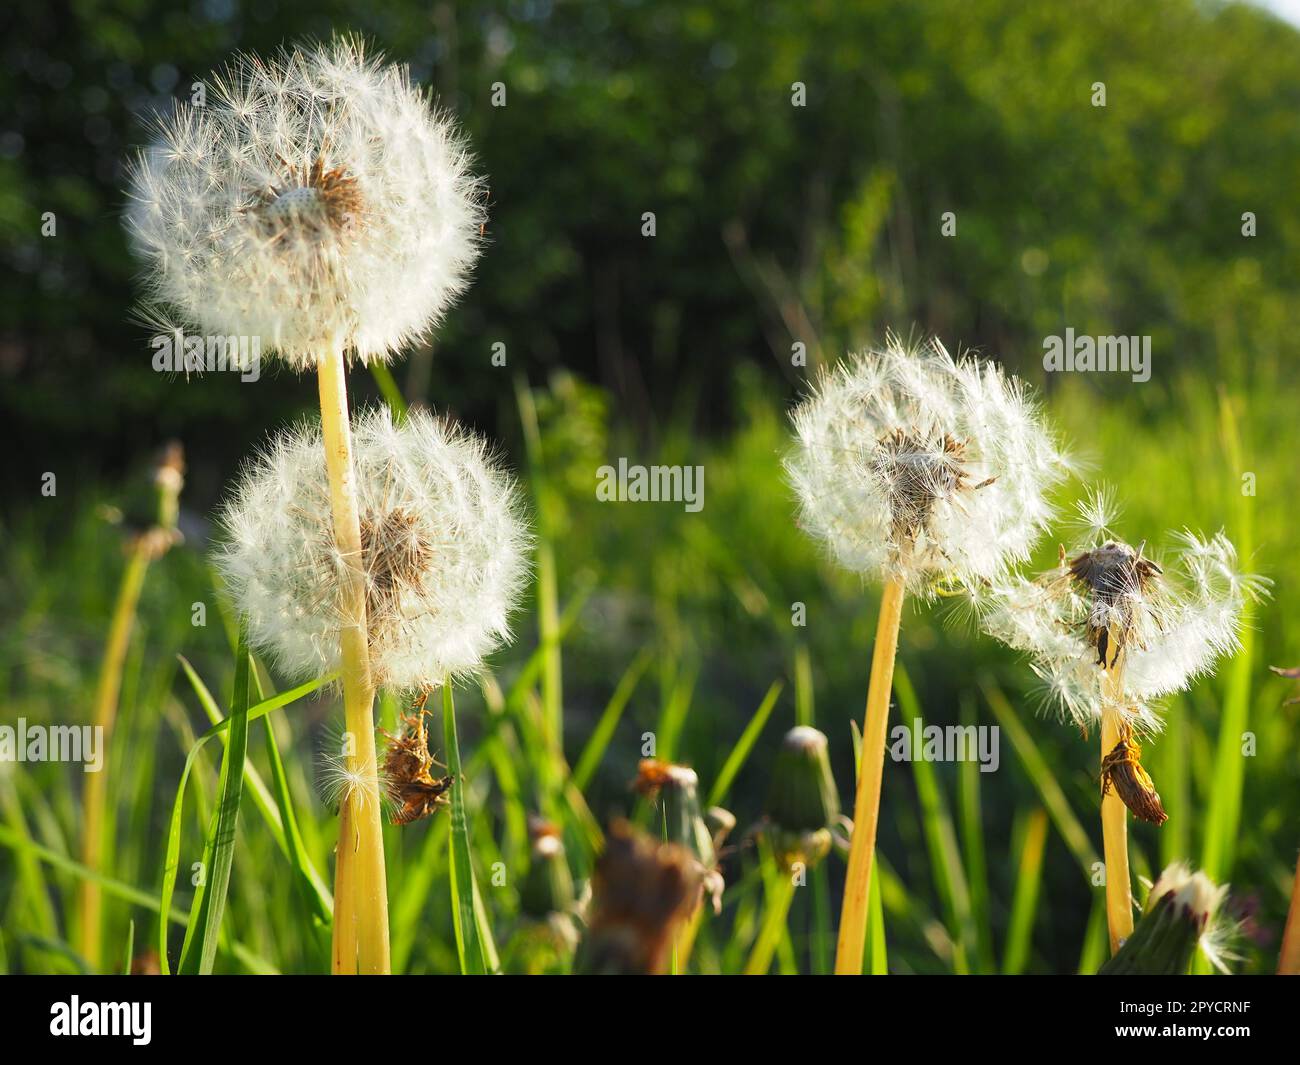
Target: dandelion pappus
{"x":1117,"y":578}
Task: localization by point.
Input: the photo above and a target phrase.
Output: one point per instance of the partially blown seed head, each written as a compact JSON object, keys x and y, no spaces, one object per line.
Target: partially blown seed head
{"x":916,"y":466}
{"x":315,"y":200}
{"x":1110,"y":608}
{"x":443,"y":550}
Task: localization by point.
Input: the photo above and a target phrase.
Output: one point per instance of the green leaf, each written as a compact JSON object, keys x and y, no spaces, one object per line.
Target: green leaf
{"x":311,"y":886}
{"x":1049,"y":790}
{"x":940,"y":838}
{"x":129,"y":953}
{"x":1024,"y":900}
{"x":740,"y":752}
{"x":594,"y":751}
{"x":200,"y":950}
{"x":388,"y":389}
{"x":474,"y":946}
{"x":172,"y":860}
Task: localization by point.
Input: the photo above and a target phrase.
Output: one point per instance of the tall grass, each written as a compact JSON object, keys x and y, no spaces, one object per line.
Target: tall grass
{"x":659,"y":623}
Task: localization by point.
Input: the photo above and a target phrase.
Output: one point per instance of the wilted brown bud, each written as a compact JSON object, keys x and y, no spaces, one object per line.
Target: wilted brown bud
{"x":1121,"y":770}
{"x":406,"y":772}
{"x":642,"y":891}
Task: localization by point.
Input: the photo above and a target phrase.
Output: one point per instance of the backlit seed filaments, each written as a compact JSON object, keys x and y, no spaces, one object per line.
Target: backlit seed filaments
{"x":443,"y":546}
{"x":1117,"y":578}
{"x":312,"y":203}
{"x":1110,"y":628}
{"x":916,"y":475}
{"x":395,"y":555}
{"x":317,"y":200}
{"x":913,"y":466}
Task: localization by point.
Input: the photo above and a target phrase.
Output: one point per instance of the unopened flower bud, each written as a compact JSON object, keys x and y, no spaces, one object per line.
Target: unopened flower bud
{"x":802,"y":803}
{"x":1180,"y":916}
{"x":548,"y":887}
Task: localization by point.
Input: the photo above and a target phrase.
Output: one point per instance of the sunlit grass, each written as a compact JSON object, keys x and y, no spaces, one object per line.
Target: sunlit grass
{"x":680,"y":627}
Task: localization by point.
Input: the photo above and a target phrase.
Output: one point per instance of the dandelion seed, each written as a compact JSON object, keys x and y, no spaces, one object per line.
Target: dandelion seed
{"x":316,"y":201}
{"x":1107,"y":599}
{"x":443,"y":551}
{"x":342,"y":779}
{"x":1109,"y":631}
{"x":914,"y":466}
{"x":930,"y":475}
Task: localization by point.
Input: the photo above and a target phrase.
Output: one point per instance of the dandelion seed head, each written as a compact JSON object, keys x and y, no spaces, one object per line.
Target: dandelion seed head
{"x":910,"y":464}
{"x":1169,"y":620}
{"x":315,"y":200}
{"x":444,"y":551}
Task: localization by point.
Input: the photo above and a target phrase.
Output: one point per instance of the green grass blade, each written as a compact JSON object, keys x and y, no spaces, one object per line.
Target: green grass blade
{"x":596,"y":746}
{"x":874,"y":949}
{"x":1049,"y":790}
{"x":779,"y":889}
{"x":21,"y":844}
{"x":822,"y":945}
{"x":32,"y":881}
{"x":940,"y":838}
{"x":311,"y":886}
{"x":970,"y":815}
{"x":672,"y":717}
{"x":120,"y":890}
{"x":1223,"y":818}
{"x":219,"y":852}
{"x":466,"y":911}
{"x":261,"y":794}
{"x":128,"y":955}
{"x":171,"y":860}
{"x":389,"y":390}
{"x":804,"y":700}
{"x":877,"y":952}
{"x":1096,"y":940}
{"x":1024,"y":901}
{"x":740,"y":752}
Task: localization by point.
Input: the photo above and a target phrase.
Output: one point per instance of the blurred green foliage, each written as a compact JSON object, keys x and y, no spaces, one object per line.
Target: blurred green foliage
{"x":775,"y":224}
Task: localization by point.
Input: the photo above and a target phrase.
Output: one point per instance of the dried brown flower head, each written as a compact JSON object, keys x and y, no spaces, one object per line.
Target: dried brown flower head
{"x":1122,"y":770}
{"x":396,"y":553}
{"x":406,"y":772}
{"x":652,"y":775}
{"x":642,"y":891}
{"x":310,"y":202}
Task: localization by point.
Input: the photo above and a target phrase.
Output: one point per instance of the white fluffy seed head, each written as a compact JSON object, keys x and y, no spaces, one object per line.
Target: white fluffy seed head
{"x":1195,"y":892}
{"x":443,"y":541}
{"x":315,"y":200}
{"x":912,"y":465}
{"x":1170,"y":619}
